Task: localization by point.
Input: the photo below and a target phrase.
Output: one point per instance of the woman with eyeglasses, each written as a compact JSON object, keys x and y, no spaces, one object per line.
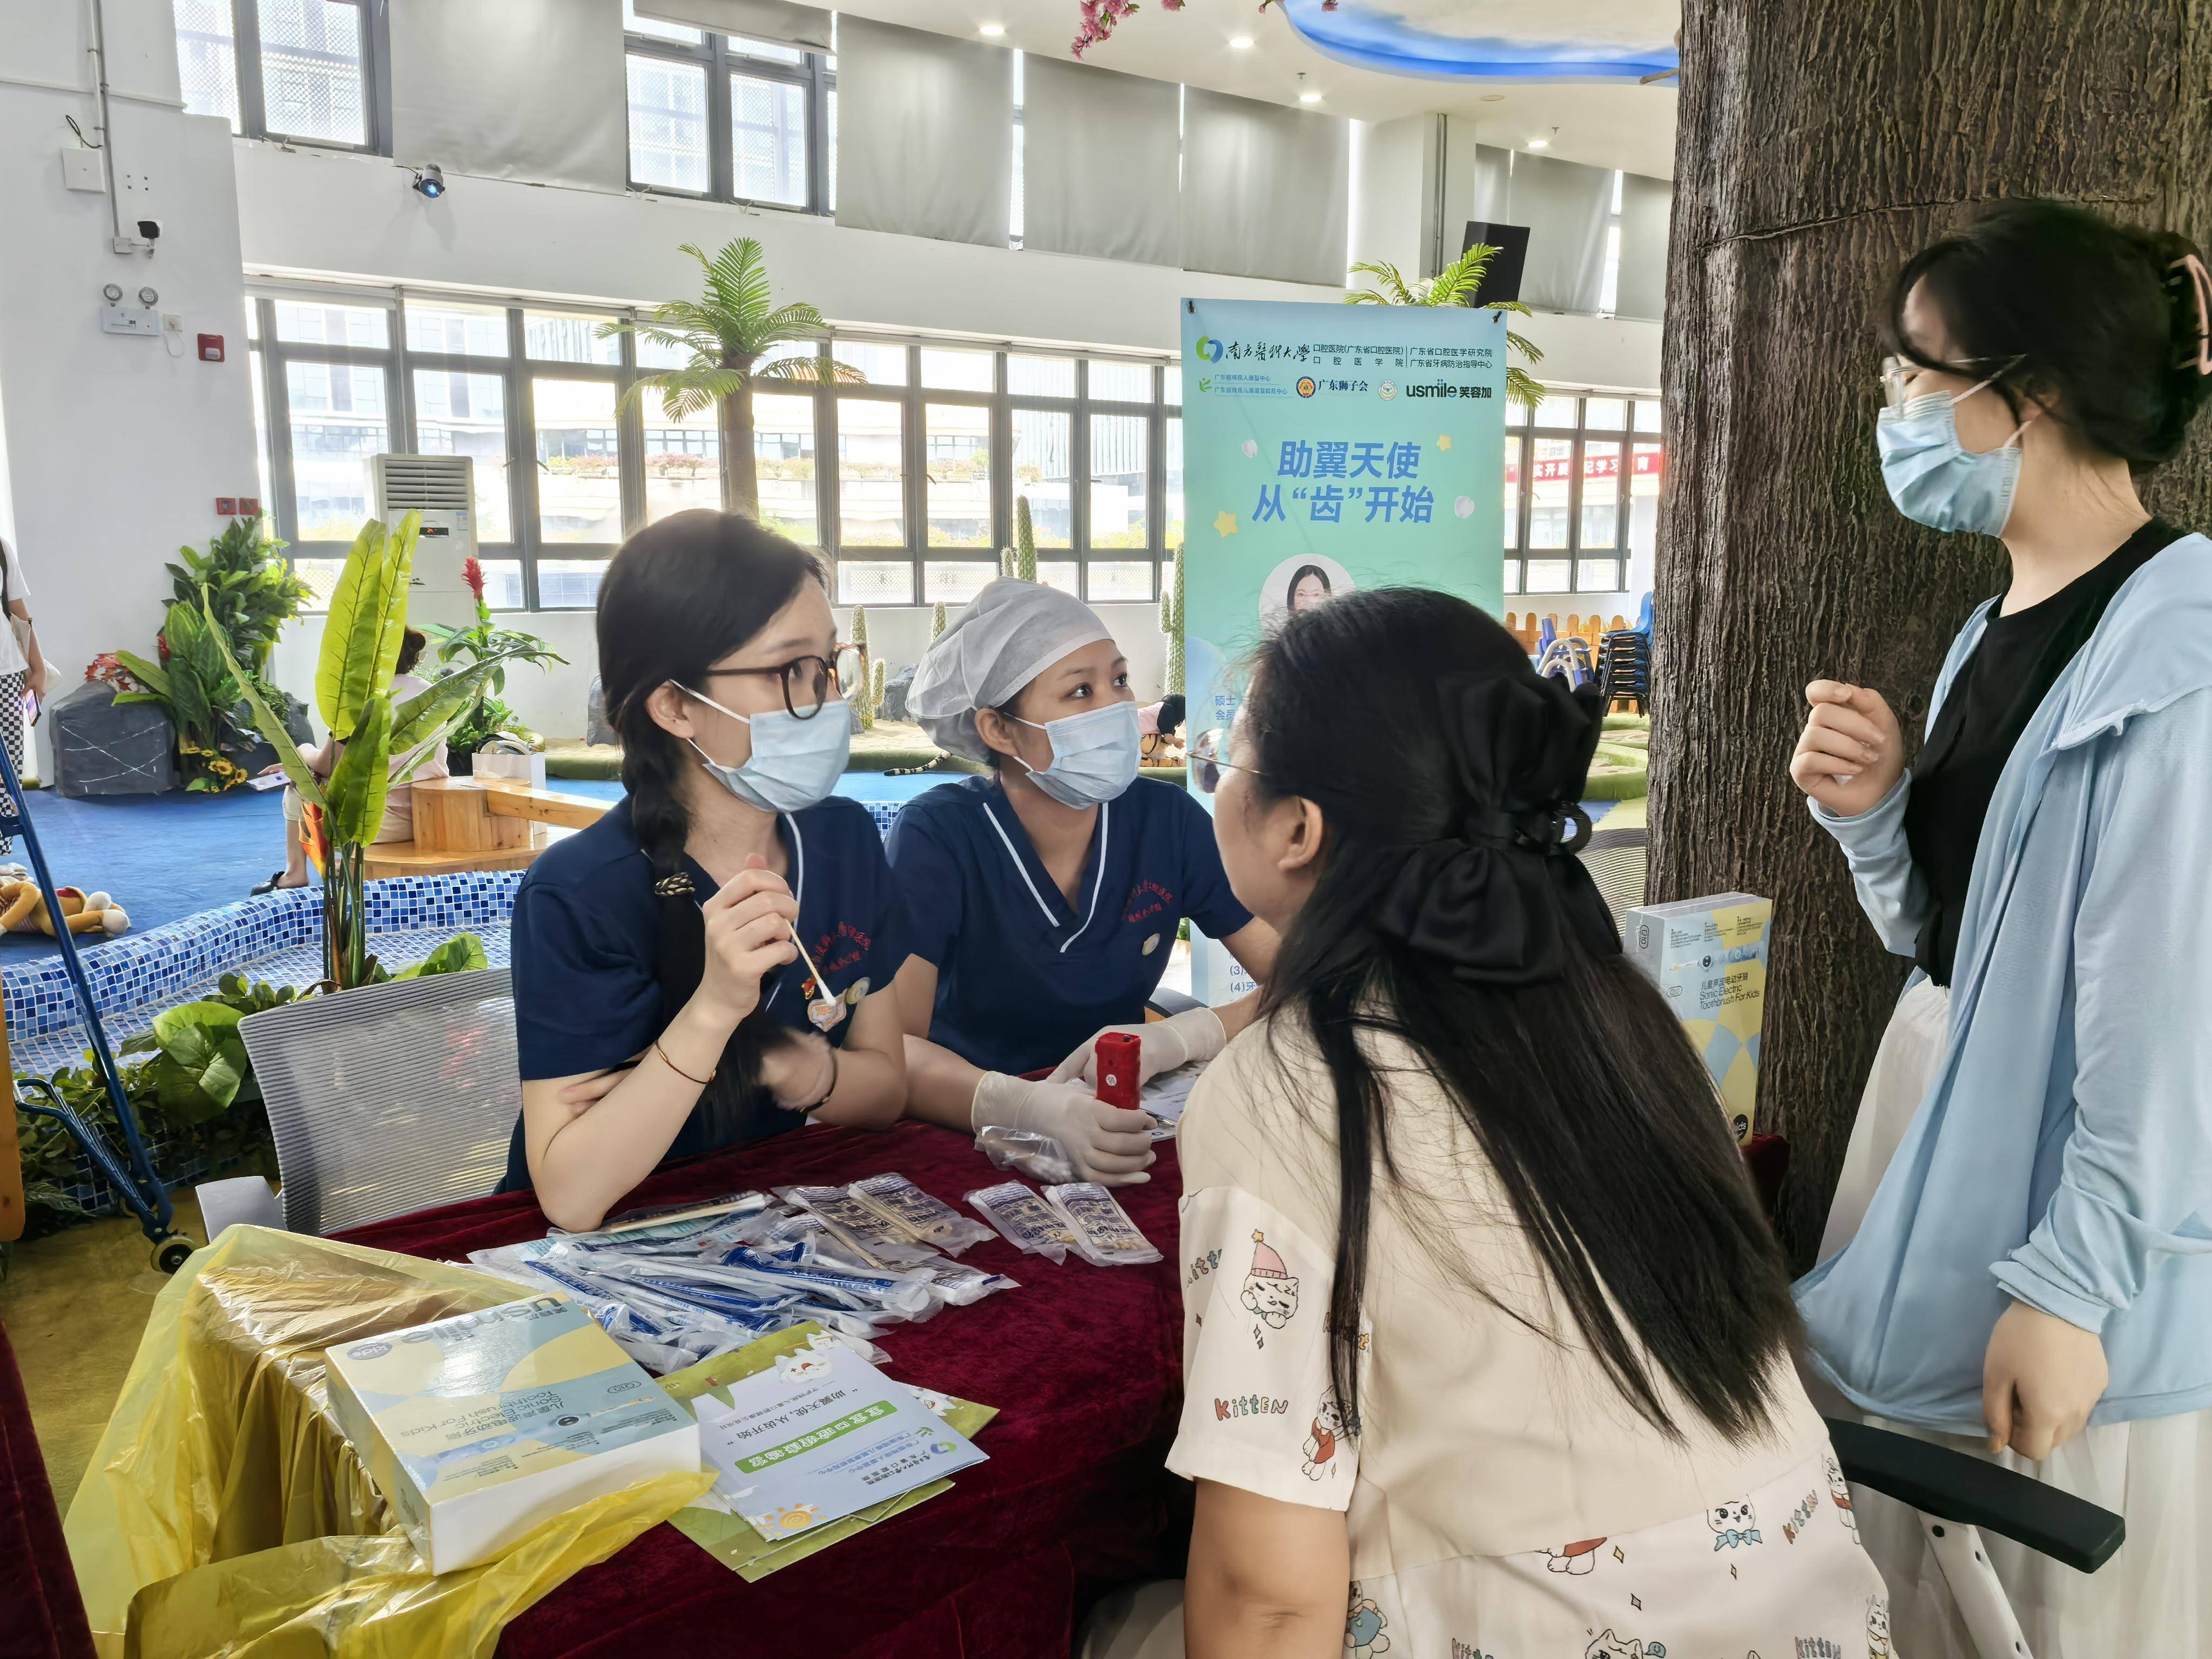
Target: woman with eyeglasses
{"x":1487,"y":1347}
{"x":1045,"y":897}
{"x":2019,"y":1258}
{"x":710,"y":963}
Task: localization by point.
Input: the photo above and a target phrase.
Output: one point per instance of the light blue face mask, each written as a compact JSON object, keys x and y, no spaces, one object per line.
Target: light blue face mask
{"x":1094,"y":755}
{"x":1936,"y":482}
{"x":795,"y":763}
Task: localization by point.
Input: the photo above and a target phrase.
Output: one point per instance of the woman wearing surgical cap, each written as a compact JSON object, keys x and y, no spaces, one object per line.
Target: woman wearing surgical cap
{"x":1042,"y":900}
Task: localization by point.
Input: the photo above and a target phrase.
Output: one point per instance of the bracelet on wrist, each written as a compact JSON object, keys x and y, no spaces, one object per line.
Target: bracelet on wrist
{"x":702,"y":1081}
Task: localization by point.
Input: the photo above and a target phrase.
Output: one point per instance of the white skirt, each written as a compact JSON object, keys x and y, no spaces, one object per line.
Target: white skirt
{"x":2157,"y":1472}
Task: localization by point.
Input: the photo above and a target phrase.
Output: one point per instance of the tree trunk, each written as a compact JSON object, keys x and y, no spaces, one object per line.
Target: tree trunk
{"x":1821,"y":143}
{"x":740,"y":463}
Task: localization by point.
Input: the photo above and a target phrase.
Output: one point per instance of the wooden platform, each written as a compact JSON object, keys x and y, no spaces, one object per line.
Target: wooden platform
{"x":479,"y":823}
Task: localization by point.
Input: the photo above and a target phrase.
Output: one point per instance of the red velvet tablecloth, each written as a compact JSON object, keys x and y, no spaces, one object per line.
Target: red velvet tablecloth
{"x":41,"y":1615}
{"x":1084,"y":1364}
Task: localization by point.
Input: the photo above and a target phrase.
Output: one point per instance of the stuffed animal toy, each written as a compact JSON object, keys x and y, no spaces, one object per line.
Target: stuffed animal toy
{"x":23,"y":907}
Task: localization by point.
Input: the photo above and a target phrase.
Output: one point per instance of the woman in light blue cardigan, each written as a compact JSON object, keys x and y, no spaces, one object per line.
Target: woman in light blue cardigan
{"x":2020,"y":1249}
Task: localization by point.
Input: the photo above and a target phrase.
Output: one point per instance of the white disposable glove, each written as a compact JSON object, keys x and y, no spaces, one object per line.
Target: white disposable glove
{"x":1104,"y":1143}
{"x":1163,"y":1045}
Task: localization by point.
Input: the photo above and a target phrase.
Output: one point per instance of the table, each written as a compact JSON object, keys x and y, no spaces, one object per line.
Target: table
{"x":1085,"y":1363}
{"x":41,"y":1616}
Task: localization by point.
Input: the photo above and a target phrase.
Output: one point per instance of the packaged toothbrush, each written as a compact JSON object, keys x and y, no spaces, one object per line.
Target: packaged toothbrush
{"x":1104,"y":1235}
{"x":882,"y":1242}
{"x":926,"y":1219}
{"x":1024,"y":1220}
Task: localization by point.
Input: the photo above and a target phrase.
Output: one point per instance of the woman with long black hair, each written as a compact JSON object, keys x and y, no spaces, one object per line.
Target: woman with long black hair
{"x":662,"y":1008}
{"x":2019,"y":1258}
{"x":1486,"y":1345}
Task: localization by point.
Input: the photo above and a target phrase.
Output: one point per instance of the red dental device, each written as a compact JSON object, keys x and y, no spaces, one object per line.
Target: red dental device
{"x":1117,"y":1055}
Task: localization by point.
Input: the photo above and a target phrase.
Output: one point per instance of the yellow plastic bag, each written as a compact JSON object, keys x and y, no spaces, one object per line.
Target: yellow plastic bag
{"x":224,"y":1513}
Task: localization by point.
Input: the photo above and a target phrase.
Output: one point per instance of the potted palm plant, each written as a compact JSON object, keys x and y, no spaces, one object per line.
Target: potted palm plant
{"x":732,"y":332}
{"x":1456,"y":284}
{"x":352,"y":694}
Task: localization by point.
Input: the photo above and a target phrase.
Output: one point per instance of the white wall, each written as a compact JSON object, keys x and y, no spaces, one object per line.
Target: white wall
{"x":338,"y":214}
{"x":116,"y":450}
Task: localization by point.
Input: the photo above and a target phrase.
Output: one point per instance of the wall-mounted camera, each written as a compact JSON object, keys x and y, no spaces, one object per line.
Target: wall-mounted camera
{"x":148,"y":233}
{"x":430,"y":181}
{"x":149,"y":230}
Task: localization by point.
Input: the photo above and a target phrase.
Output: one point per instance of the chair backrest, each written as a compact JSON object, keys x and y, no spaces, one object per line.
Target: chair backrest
{"x":388,"y":1099}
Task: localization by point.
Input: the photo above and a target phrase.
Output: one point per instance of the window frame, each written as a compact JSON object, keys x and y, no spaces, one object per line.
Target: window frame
{"x":518,"y":372}
{"x":1520,"y":443}
{"x":717,"y":54}
{"x":375,"y":83}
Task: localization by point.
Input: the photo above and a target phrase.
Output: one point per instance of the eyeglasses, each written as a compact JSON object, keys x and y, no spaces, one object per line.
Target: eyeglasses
{"x":1206,"y":760}
{"x":806,"y":680}
{"x":1898,"y":373}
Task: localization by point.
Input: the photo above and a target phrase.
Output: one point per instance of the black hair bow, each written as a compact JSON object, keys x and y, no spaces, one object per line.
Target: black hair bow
{"x":1496,"y":901}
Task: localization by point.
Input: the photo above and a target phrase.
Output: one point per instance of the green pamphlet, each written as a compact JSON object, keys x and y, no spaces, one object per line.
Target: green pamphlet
{"x":728,"y":1539}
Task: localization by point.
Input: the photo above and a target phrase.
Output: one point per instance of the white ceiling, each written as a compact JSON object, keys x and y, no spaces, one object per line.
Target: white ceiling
{"x":1603,"y":123}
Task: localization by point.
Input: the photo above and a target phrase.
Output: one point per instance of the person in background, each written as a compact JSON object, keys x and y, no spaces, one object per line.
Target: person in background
{"x":1486,"y":1345}
{"x":1160,"y":726}
{"x":1309,"y":588}
{"x":398,"y":823}
{"x":23,"y":676}
{"x":1046,"y":897}
{"x":2017,"y":1258}
{"x":662,"y":1008}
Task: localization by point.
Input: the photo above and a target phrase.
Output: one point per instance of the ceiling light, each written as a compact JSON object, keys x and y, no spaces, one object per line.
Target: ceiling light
{"x":1309,"y":98}
{"x":1538,"y":143}
{"x":1239,"y":43}
{"x":1493,"y":97}
{"x":992,"y":31}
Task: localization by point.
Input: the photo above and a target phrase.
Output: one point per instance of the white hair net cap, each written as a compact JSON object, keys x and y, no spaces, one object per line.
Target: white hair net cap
{"x":1010,"y":633}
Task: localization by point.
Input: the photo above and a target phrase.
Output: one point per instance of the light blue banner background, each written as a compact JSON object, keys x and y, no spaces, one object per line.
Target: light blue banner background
{"x":1365,"y":441}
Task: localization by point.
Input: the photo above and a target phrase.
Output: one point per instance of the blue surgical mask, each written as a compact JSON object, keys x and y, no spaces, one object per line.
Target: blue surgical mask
{"x":1094,"y":755}
{"x":1933,"y":479}
{"x":795,"y":763}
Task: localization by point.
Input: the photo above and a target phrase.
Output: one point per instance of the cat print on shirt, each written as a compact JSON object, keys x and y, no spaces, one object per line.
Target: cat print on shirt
{"x":1321,"y":1445}
{"x":1839,"y":1492}
{"x":1609,"y":1646}
{"x":1271,"y":1294}
{"x":1878,"y":1646}
{"x":1364,"y":1626}
{"x":1576,"y":1557}
{"x":1734,"y":1523}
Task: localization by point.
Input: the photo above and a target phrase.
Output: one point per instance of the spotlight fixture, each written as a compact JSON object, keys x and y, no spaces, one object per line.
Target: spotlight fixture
{"x":430,"y":181}
{"x":1309,"y":98}
{"x":990,"y":31}
{"x":1239,"y":43}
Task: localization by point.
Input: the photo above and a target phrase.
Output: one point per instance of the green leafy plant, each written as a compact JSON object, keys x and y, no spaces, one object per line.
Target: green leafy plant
{"x":199,"y":687}
{"x":487,"y":716}
{"x":1456,"y":284}
{"x":249,"y":589}
{"x":736,"y":335}
{"x":353,"y":693}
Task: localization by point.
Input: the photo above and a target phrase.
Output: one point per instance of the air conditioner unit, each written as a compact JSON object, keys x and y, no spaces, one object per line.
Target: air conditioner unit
{"x":442,"y":488}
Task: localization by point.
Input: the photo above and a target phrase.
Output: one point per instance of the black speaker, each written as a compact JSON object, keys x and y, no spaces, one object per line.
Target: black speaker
{"x":1501,"y":278}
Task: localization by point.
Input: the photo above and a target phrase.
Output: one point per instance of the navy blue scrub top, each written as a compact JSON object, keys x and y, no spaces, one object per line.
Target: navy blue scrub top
{"x":1022,"y":979}
{"x":585,"y":945}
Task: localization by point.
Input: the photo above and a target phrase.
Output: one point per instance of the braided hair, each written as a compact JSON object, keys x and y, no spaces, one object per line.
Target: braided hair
{"x":681,"y":594}
{"x":2104,"y":322}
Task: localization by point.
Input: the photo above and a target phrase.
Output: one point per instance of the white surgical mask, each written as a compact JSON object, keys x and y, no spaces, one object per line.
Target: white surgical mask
{"x":1936,"y":481}
{"x":1095,"y":754}
{"x":795,"y":763}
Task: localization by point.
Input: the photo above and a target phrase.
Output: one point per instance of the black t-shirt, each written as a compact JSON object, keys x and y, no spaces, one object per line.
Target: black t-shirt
{"x":1990,"y":705}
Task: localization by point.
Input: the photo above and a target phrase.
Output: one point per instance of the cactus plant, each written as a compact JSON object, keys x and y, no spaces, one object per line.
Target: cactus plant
{"x":1025,"y":541}
{"x":877,"y":676}
{"x":936,"y":621}
{"x":1171,"y":622}
{"x":1005,"y":562}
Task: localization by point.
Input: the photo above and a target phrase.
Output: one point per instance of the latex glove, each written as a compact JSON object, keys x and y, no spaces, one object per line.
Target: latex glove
{"x":1163,"y":1045}
{"x":1105,"y":1144}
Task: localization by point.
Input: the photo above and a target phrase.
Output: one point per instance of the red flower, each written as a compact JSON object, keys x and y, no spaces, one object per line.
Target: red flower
{"x":472,"y":574}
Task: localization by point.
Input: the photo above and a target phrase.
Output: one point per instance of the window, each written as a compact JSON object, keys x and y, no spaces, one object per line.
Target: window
{"x":304,"y":70}
{"x":728,"y":118}
{"x":1581,"y":494}
{"x":1608,"y":299}
{"x":927,"y":453}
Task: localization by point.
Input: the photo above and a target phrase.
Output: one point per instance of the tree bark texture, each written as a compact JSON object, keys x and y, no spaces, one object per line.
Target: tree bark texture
{"x":740,"y":462}
{"x":1820,"y":143}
